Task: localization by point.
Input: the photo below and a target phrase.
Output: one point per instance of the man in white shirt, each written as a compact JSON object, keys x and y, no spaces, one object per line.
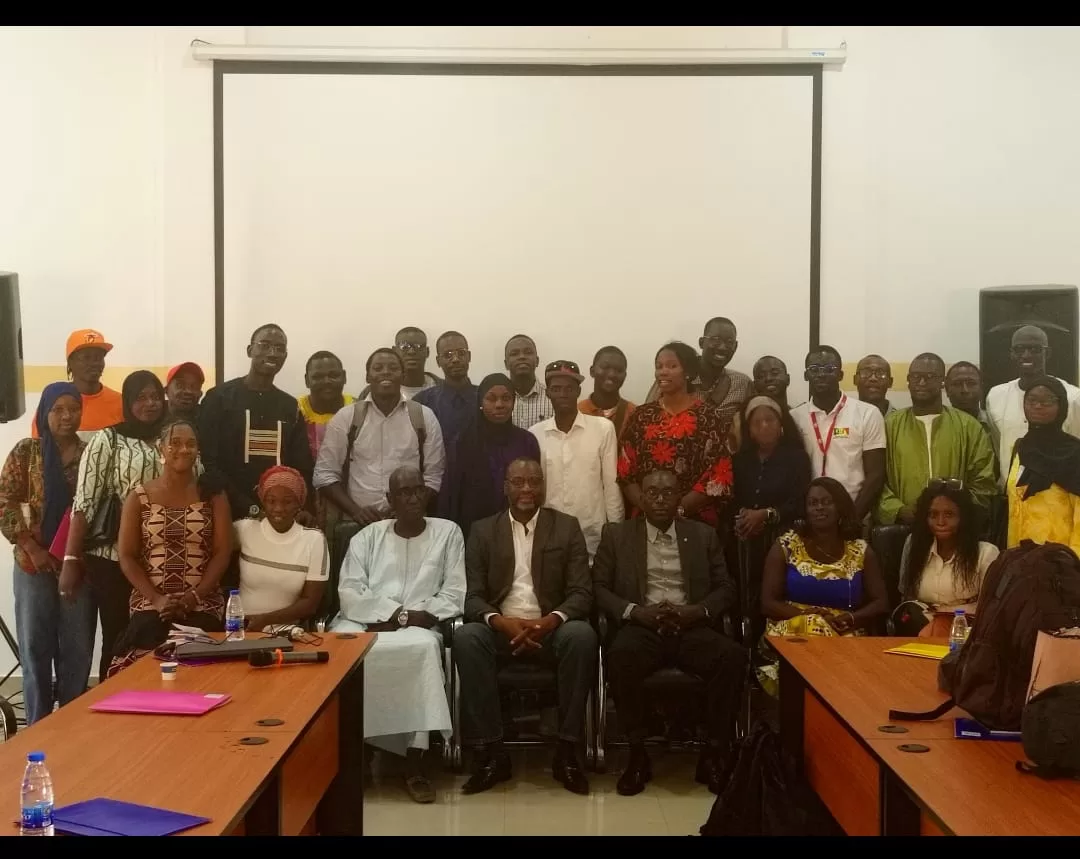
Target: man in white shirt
{"x":529,"y":597}
{"x":1005,"y":403}
{"x":356,"y":480}
{"x":400,"y":579}
{"x":578,"y":454}
{"x":844,"y":437}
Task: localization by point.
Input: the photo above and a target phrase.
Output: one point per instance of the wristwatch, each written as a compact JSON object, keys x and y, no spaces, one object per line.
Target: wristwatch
{"x":253,"y":510}
{"x":403,"y":618}
{"x":681,"y":512}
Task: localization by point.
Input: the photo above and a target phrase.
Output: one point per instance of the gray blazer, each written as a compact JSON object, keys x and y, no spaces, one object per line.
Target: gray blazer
{"x":560,"y":566}
{"x":620,"y":567}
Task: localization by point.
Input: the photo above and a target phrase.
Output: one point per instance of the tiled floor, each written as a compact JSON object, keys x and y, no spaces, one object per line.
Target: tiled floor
{"x":532,"y":803}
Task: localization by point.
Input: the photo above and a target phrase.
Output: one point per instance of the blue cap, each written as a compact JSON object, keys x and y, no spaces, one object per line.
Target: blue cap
{"x":959,"y":611}
{"x":235,"y":593}
{"x":36,"y":757}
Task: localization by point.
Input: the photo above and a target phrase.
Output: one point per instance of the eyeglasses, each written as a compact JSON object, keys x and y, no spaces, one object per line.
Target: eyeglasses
{"x":411,"y":347}
{"x":953,"y":483}
{"x":873,"y":375}
{"x":923,"y":378}
{"x":451,"y":354}
{"x":562,"y":366}
{"x":522,"y":482}
{"x":272,"y":348}
{"x":822,"y":369}
{"x":1045,"y":402}
{"x":660,"y":494}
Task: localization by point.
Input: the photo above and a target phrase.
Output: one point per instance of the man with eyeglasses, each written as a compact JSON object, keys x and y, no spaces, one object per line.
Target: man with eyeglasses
{"x":930,"y":441}
{"x":400,"y":578}
{"x":411,"y":344}
{"x":530,"y":402}
{"x":664,"y":587}
{"x":579,"y":454}
{"x":454,"y":401}
{"x":247,"y":425}
{"x":844,"y":437}
{"x":529,"y":597}
{"x":726,"y":388}
{"x":1005,"y":403}
{"x":873,"y":379}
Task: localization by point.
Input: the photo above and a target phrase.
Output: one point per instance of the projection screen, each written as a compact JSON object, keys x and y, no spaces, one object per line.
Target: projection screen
{"x":580,"y":209}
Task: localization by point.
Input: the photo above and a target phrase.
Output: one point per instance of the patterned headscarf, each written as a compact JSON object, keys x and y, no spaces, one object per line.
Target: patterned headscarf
{"x":285,"y":477}
{"x":57,"y":491}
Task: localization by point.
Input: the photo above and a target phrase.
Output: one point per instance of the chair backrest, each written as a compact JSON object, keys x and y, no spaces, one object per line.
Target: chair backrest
{"x":342,"y":533}
{"x":887,"y":541}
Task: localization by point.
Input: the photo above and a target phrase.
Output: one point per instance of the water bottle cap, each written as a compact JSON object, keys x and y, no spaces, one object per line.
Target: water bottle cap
{"x":36,"y":757}
{"x":959,"y":611}
{"x":235,"y":593}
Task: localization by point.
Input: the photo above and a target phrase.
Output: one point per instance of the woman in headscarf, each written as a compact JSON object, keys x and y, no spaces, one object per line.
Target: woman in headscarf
{"x":283,"y":565}
{"x":476,"y":467}
{"x":1043,"y":485}
{"x":39,"y":477}
{"x":175,"y":543}
{"x":115,"y":461}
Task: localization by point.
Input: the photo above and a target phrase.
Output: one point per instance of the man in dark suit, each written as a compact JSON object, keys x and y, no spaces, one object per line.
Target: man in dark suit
{"x":663,"y":585}
{"x":529,"y":594}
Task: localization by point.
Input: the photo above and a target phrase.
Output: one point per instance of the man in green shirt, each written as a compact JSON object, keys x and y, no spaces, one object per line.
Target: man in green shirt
{"x":931,"y":440}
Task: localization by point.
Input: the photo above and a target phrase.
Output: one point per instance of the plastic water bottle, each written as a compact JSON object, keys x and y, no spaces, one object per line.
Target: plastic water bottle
{"x":37,"y":797}
{"x":234,"y":618}
{"x":959,"y":631}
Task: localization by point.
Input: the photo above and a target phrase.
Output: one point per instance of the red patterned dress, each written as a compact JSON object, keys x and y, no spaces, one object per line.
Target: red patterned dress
{"x":692,"y":444}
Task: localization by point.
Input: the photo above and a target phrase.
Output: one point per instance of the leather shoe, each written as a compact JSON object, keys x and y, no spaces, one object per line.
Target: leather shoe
{"x":637,"y":774}
{"x":494,"y":770}
{"x":710,"y":770}
{"x":567,"y":771}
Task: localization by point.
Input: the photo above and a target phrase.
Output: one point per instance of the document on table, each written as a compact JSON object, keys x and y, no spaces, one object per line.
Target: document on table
{"x":922,"y":651}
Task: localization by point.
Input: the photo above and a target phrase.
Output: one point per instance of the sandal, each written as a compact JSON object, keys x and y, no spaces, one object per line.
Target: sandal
{"x":420,"y":789}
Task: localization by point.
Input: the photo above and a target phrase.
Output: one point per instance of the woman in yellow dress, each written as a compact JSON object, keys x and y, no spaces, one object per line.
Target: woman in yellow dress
{"x":820,"y":579}
{"x":1043,"y":487}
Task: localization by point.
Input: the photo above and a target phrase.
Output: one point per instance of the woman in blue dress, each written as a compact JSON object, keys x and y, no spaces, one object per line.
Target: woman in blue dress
{"x":821,"y":579}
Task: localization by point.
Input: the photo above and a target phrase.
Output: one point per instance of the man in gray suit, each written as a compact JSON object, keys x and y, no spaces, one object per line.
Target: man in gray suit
{"x":664,"y":587}
{"x":528,"y":597}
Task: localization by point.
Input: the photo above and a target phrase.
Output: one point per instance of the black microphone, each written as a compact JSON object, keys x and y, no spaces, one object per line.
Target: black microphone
{"x":277,"y":658}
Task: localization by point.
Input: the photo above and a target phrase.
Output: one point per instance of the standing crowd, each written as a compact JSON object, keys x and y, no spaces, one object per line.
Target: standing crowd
{"x":527,"y":509}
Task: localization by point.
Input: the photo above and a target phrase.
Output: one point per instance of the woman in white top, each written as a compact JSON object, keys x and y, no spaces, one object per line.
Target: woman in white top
{"x":944,"y":561}
{"x":283,"y":566}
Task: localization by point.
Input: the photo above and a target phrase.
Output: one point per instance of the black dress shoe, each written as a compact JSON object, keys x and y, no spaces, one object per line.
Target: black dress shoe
{"x":637,"y":774}
{"x":711,"y":770}
{"x":489,"y":774}
{"x":567,"y":772}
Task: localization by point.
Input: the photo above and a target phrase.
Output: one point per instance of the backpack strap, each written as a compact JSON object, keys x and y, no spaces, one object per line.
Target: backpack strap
{"x":359,"y":413}
{"x":929,"y":716}
{"x":416,"y":418}
{"x":619,"y":416}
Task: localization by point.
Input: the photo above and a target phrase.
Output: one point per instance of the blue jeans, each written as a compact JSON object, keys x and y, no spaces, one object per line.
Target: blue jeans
{"x":52,"y":632}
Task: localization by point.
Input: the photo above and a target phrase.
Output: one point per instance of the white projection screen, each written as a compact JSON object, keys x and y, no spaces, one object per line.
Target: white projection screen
{"x":580,"y":209}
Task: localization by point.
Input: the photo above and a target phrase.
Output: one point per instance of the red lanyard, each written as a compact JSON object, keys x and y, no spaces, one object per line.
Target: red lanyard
{"x":824,"y":446}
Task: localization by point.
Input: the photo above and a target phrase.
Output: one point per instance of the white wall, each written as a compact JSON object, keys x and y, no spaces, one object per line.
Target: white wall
{"x":949,"y":164}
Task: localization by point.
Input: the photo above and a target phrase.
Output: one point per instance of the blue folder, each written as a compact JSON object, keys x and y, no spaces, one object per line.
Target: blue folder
{"x":969,"y":729}
{"x":112,"y":817}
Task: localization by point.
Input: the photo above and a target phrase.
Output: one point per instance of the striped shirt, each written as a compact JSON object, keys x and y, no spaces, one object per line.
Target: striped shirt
{"x":274,"y":567}
{"x":533,"y":407}
{"x":112,"y":465}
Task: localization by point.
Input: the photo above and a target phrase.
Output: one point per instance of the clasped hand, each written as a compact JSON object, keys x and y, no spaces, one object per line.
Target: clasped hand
{"x":750,"y":523}
{"x":524,"y":634}
{"x":667,"y":619}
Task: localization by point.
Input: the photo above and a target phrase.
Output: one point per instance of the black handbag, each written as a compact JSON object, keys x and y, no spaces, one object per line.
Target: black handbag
{"x":104,"y":528}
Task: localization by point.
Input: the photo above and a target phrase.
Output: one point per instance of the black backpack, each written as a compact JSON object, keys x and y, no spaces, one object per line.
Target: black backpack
{"x":1027,"y":589}
{"x":1051,"y":732}
{"x":763,"y":795}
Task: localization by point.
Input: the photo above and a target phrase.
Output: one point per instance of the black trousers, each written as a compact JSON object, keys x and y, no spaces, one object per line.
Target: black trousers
{"x":112,"y":592}
{"x":638,"y":652}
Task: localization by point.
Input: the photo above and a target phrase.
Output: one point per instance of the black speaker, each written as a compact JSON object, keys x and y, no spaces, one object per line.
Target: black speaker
{"x":1002,"y":309}
{"x":12,"y":391}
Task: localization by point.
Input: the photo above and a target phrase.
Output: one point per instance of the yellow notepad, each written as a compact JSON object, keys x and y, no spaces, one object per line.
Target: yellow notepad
{"x":923,"y":651}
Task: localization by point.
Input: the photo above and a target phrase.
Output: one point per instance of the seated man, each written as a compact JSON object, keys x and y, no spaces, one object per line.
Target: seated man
{"x":662,"y":582}
{"x":529,"y":597}
{"x":401,"y":577}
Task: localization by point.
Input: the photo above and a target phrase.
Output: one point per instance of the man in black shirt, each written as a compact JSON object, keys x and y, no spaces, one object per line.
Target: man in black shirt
{"x":247,"y":425}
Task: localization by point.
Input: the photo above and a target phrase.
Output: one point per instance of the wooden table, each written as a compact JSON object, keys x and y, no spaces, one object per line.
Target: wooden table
{"x":835,"y":696}
{"x":198,"y":764}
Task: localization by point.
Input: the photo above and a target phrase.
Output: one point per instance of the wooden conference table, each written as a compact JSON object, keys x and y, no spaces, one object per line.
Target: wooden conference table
{"x":835,"y":696}
{"x":209,"y":765}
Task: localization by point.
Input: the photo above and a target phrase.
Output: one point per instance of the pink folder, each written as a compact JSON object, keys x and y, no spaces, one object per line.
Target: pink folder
{"x":160,"y":703}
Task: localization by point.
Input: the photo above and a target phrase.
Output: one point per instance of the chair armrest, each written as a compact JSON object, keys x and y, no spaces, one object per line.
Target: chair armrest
{"x":449,"y":627}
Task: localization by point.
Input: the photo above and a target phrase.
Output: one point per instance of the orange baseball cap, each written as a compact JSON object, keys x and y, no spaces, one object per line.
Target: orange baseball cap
{"x":187,"y":365}
{"x":86,"y":338}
